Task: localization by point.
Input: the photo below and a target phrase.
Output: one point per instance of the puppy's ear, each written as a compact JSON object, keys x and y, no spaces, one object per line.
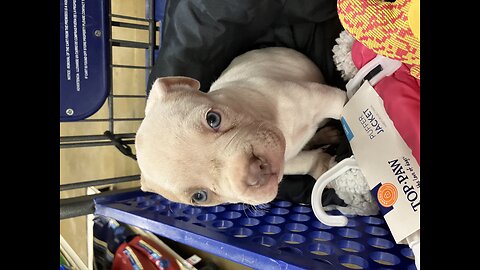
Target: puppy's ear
{"x":162,"y":86}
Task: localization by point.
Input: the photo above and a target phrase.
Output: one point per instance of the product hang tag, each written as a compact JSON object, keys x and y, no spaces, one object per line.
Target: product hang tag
{"x":392,"y":172}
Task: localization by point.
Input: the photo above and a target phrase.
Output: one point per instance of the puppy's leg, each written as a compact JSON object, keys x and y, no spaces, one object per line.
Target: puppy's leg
{"x":312,"y":162}
{"x":328,"y":101}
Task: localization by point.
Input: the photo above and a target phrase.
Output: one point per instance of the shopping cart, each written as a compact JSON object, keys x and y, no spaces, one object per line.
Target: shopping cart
{"x":279,"y":235}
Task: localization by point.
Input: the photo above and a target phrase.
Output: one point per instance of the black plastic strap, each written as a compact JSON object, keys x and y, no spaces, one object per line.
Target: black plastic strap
{"x":373,"y":72}
{"x":120,"y":145}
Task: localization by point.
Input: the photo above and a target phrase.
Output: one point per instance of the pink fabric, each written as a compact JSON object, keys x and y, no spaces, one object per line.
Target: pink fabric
{"x":401,"y":96}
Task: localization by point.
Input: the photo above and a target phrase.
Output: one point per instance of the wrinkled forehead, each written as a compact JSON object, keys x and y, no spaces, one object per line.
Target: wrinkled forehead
{"x":171,"y":120}
{"x":182,"y":103}
{"x":166,"y":147}
{"x":161,"y":154}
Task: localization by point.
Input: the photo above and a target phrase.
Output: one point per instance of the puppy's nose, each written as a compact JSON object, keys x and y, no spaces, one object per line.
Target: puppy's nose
{"x":258,"y":172}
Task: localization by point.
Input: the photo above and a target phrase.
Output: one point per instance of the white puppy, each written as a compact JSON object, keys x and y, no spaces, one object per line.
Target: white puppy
{"x":234,"y":143}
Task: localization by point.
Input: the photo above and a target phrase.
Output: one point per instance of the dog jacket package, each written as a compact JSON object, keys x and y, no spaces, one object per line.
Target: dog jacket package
{"x":386,"y":161}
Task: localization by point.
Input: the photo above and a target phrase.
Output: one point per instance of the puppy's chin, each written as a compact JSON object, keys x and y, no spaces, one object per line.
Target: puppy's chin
{"x":262,"y":194}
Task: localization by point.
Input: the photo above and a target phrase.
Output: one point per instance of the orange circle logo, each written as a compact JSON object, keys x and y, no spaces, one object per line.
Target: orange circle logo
{"x":387,"y":194}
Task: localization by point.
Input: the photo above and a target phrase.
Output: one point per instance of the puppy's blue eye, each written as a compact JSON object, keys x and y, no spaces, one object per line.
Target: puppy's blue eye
{"x":213,"y":119}
{"x":199,"y":196}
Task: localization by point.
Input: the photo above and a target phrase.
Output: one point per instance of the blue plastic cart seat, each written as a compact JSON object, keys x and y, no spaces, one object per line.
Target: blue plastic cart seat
{"x":284,"y":235}
{"x":84,"y":57}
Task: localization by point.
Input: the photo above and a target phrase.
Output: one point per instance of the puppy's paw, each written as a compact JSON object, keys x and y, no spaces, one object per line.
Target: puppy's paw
{"x":325,"y":135}
{"x":323,"y":162}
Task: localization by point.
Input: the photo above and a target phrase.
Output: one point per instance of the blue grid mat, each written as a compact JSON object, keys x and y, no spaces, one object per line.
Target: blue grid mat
{"x":280,"y":235}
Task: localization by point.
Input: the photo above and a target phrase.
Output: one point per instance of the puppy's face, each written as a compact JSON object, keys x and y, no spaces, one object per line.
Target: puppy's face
{"x":205,"y":149}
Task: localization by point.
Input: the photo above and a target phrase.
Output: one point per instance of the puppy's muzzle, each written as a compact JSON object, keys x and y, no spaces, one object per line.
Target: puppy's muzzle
{"x":259,"y":172}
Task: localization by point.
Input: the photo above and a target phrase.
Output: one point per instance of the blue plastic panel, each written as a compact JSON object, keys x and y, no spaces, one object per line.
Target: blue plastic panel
{"x":84,"y":57}
{"x":283,"y":235}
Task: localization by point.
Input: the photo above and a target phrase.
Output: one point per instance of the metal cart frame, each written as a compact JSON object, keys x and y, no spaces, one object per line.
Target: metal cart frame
{"x":83,"y":205}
